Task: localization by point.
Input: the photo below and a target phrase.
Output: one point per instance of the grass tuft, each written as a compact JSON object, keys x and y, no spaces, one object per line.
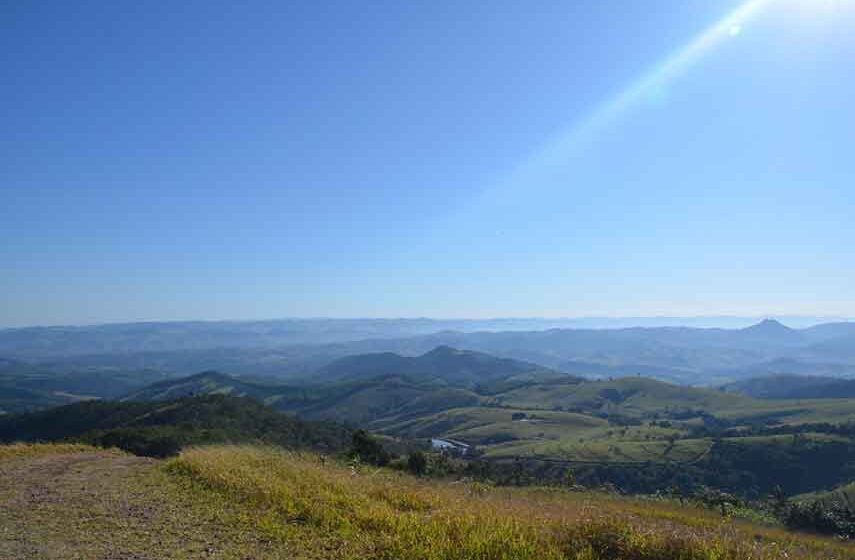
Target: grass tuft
{"x":20,"y":450}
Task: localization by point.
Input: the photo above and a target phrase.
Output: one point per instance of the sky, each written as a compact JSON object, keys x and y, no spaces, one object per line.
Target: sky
{"x":213,"y":160}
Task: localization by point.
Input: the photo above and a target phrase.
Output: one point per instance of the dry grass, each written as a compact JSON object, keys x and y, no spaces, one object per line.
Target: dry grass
{"x":330,"y":511}
{"x":21,"y":450}
{"x":108,"y":505}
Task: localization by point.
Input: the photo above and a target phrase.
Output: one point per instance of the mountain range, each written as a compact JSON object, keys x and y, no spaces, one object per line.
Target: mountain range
{"x":691,"y":356}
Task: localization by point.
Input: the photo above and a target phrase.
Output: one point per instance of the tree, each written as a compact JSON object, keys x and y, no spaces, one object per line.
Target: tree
{"x":366,"y":447}
{"x":569,"y":479}
{"x":417,"y":463}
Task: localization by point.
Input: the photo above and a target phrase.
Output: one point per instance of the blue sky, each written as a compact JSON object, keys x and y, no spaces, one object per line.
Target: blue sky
{"x":268,"y":159}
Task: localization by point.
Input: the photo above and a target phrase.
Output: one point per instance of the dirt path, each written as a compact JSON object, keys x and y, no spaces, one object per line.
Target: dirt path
{"x":108,"y":506}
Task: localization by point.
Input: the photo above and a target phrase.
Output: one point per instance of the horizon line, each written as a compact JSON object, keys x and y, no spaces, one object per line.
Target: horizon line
{"x":590,"y":317}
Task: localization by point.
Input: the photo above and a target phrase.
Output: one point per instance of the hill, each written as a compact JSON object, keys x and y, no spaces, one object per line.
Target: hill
{"x":357,"y":390}
{"x":40,"y":343}
{"x":691,"y":356}
{"x":25,"y":387}
{"x":794,"y":387}
{"x":204,"y":383}
{"x":244,"y":502}
{"x":460,"y":368}
{"x":162,"y":428}
{"x":19,"y":399}
{"x":639,"y":433}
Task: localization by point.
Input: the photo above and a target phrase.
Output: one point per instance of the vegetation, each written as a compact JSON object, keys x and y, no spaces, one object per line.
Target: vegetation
{"x":21,"y":450}
{"x":365,"y":447}
{"x":638,"y":434}
{"x":520,"y":424}
{"x":161,"y":429}
{"x":417,"y":463}
{"x":312,"y":505}
{"x":24,"y":387}
{"x":791,"y":386}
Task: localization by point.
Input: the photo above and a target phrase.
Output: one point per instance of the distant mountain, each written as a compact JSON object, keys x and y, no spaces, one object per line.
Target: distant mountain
{"x":830,"y":331}
{"x":25,"y":387}
{"x":360,"y":389}
{"x":460,"y":368}
{"x":786,"y":386}
{"x":41,"y":343}
{"x":771,"y":332}
{"x":690,"y":356}
{"x":791,"y":366}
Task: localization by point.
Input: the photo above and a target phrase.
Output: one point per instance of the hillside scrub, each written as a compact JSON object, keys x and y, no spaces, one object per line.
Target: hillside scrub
{"x":162,"y":428}
{"x":372,"y":513}
{"x":21,"y":450}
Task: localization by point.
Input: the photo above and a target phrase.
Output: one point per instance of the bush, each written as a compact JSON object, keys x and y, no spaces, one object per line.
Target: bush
{"x":417,"y":463}
{"x":818,"y":517}
{"x":366,"y":448}
{"x":146,"y":443}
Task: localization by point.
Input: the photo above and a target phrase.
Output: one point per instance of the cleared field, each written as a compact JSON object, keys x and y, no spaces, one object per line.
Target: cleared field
{"x":836,"y":411}
{"x":478,"y":423}
{"x":596,"y":450}
{"x":625,"y":420}
{"x":630,"y":396}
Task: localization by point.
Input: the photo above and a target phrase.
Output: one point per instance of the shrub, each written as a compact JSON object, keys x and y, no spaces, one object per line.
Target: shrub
{"x":417,"y":463}
{"x":366,"y":448}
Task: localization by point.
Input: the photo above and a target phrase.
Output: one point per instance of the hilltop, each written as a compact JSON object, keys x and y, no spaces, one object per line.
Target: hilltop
{"x":204,"y":383}
{"x":462,"y":368}
{"x":244,"y":502}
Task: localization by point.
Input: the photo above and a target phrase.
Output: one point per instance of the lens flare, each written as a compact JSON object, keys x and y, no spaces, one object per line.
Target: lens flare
{"x":650,"y":86}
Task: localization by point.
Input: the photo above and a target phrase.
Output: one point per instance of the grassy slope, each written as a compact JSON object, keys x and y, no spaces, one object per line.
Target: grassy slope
{"x":380,"y":515}
{"x":586,"y":437}
{"x":248,"y":502}
{"x":401,"y":407}
{"x":631,"y":396}
{"x":843,"y":495}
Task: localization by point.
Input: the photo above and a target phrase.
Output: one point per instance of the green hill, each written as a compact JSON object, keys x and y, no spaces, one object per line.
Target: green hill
{"x":638,"y":433}
{"x":360,"y":389}
{"x":787,"y":386}
{"x":205,"y":383}
{"x":628,"y":396}
{"x":459,"y":368}
{"x":25,"y":387}
{"x":161,"y":428}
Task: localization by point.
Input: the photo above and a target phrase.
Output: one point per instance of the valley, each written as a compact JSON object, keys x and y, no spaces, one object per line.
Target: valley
{"x":476,"y":416}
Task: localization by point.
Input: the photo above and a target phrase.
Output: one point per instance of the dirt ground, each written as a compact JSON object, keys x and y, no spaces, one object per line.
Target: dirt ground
{"x":109,"y":506}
